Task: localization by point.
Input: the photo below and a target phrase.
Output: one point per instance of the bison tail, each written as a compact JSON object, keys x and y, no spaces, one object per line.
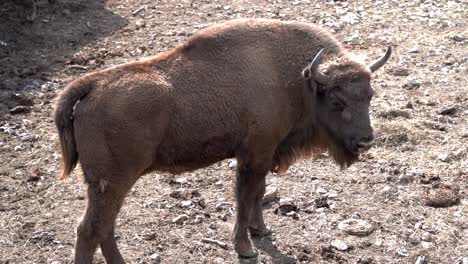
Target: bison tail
{"x":64,"y":111}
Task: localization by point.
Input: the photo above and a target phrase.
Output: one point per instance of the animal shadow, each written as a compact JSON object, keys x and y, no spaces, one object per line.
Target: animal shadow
{"x":41,"y":48}
{"x":266,"y":246}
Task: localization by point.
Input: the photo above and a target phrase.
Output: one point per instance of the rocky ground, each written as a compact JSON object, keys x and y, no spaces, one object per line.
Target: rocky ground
{"x":405,"y":202}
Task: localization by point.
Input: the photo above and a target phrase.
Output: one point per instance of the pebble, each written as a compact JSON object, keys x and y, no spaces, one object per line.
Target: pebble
{"x":321,"y":190}
{"x":458,"y":38}
{"x":414,"y":239}
{"x":444,"y":157}
{"x":286,"y":206}
{"x":180,"y":219}
{"x":186,"y":204}
{"x":20,"y":109}
{"x":340,"y":245}
{"x":220,"y":206}
{"x":198,"y":219}
{"x":426,"y":236}
{"x":155,"y":258}
{"x":270,"y":195}
{"x":403,"y":252}
{"x":232,"y":163}
{"x":420,"y":260}
{"x":181,"y":181}
{"x":357,"y":227}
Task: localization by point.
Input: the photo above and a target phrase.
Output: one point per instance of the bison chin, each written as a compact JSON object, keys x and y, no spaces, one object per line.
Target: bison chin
{"x":341,"y":154}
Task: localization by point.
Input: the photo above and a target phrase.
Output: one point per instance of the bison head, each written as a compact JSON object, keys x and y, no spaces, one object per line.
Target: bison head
{"x":343,"y":94}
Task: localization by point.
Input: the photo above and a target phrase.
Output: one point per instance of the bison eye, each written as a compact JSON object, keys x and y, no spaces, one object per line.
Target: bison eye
{"x":336,"y":103}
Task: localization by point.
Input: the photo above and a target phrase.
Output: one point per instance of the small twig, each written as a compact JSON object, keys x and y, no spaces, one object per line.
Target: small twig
{"x":215,"y":242}
{"x":134,"y":13}
{"x":77,"y":67}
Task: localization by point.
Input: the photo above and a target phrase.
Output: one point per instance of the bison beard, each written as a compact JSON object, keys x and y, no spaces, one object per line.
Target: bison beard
{"x":340,"y":154}
{"x":306,"y":143}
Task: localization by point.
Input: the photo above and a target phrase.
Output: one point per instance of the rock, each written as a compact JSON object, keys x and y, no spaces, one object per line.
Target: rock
{"x":293,"y":214}
{"x":420,"y":260}
{"x":179,"y":193}
{"x":186,"y":204}
{"x":321,"y":190}
{"x":444,"y":196}
{"x":403,"y":252}
{"x":405,"y":179}
{"x":286,"y":206}
{"x":340,"y":245}
{"x":464,"y":260}
{"x":357,"y":227}
{"x":458,"y":38}
{"x":271,"y":194}
{"x":411,"y":85}
{"x":219,"y":183}
{"x":321,"y":202}
{"x":399,"y":72}
{"x":181,"y":181}
{"x":232,"y":163}
{"x":448,"y":111}
{"x":221,"y":205}
{"x":180,"y":219}
{"x":20,"y":109}
{"x":444,"y":157}
{"x":155,"y":258}
{"x":198,"y":219}
{"x":426,"y":236}
{"x":414,"y":239}
{"x":332,"y":194}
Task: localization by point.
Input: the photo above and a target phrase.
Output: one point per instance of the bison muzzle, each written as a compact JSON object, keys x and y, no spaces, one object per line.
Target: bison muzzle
{"x":264,"y":92}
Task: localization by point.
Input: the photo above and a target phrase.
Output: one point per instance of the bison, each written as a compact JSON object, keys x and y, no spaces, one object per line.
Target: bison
{"x":243,"y":89}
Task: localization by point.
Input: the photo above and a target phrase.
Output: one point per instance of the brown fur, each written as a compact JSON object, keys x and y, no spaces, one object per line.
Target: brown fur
{"x":232,"y":90}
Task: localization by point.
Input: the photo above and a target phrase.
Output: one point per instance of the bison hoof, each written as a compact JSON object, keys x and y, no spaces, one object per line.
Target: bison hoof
{"x":265,"y":232}
{"x":250,"y":253}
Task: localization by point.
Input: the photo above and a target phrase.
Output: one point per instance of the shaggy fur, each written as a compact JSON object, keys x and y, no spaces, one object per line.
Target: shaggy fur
{"x":232,"y":90}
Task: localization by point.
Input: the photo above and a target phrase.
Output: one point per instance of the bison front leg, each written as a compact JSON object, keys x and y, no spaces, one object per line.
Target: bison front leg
{"x":257,"y":225}
{"x":250,"y":182}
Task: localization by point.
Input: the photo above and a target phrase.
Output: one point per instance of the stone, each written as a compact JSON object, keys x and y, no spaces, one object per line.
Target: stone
{"x":20,"y":109}
{"x":357,"y":227}
{"x":180,"y":219}
{"x":232,"y":164}
{"x":426,"y":236}
{"x":271,"y":194}
{"x":340,"y":245}
{"x":186,"y":204}
{"x":155,"y":258}
{"x":420,"y":260}
{"x":286,"y":205}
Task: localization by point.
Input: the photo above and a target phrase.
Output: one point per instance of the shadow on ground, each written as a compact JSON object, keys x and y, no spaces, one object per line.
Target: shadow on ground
{"x":40,"y":48}
{"x":266,"y":246}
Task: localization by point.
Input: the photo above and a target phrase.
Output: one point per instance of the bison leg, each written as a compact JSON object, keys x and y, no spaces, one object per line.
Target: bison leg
{"x":257,"y":225}
{"x":97,"y":225}
{"x":249,"y":183}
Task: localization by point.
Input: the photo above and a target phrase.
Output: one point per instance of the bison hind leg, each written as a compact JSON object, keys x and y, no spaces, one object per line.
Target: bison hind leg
{"x":97,"y":225}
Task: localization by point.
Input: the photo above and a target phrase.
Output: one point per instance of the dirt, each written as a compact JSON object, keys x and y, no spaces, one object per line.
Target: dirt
{"x":419,"y":112}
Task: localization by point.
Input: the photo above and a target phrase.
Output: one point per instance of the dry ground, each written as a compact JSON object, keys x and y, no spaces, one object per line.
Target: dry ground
{"x":420,"y":114}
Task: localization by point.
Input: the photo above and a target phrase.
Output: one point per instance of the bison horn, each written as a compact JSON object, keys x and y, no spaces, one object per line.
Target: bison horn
{"x":380,"y":62}
{"x":313,"y":68}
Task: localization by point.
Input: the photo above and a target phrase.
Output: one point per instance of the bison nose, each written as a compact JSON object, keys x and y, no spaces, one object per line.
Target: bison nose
{"x":364,"y":143}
